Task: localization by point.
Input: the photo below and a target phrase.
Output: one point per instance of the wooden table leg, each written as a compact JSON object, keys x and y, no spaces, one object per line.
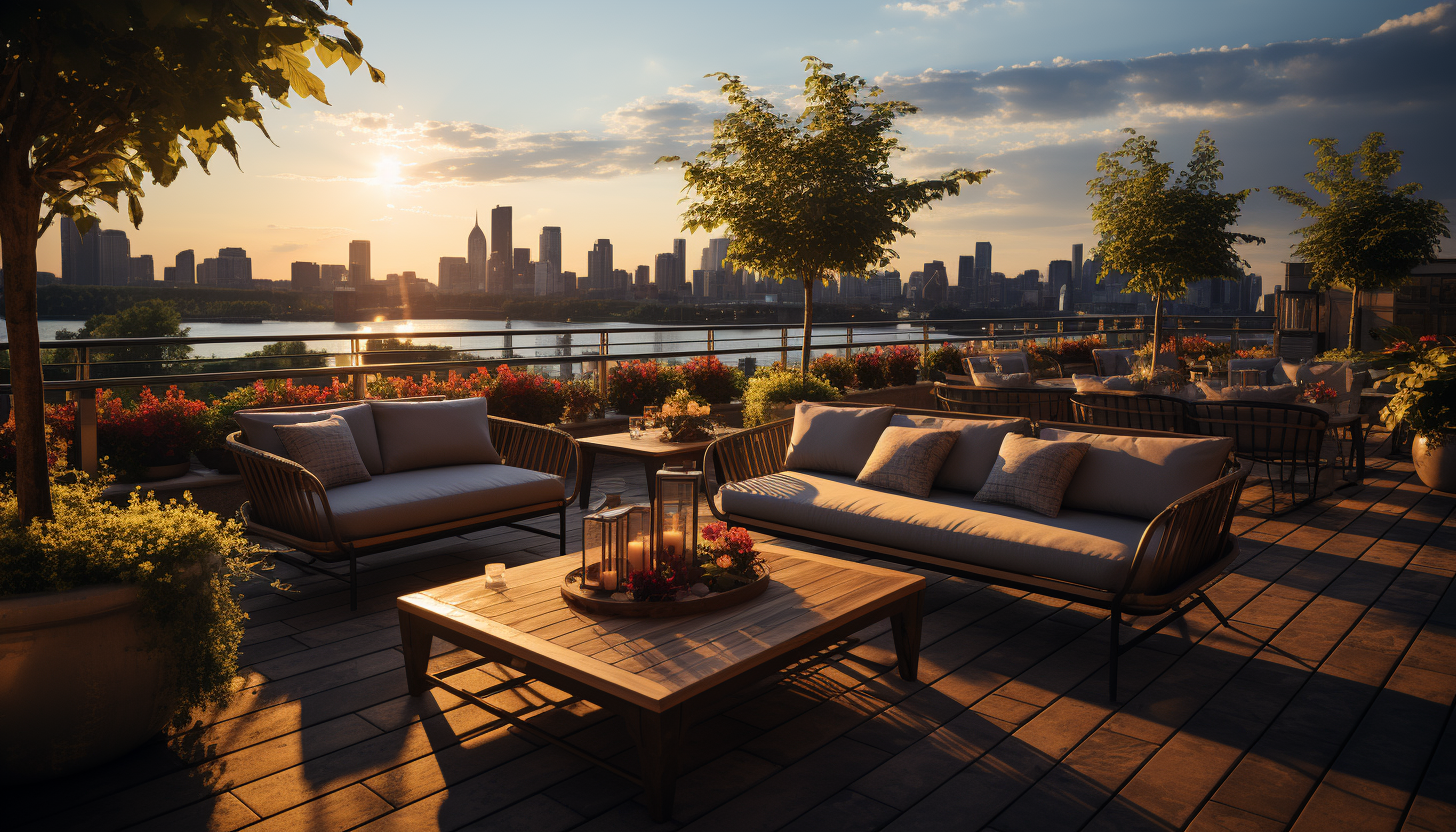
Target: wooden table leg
{"x":416,"y":641}
{"x":905,"y":626}
{"x":588,"y":462}
{"x":650,"y":466}
{"x":659,"y":747}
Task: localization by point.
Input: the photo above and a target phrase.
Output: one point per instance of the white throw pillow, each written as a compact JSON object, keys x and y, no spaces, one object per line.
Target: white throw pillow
{"x":1016,"y":380}
{"x":1106,"y":384}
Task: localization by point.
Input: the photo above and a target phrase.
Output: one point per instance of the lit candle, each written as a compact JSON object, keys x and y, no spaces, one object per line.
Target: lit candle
{"x":672,"y":544}
{"x":636,"y":555}
{"x":609,"y":581}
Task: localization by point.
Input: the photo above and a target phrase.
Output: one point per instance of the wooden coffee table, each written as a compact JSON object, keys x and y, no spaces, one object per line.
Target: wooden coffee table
{"x":660,"y":675}
{"x":653,"y":452}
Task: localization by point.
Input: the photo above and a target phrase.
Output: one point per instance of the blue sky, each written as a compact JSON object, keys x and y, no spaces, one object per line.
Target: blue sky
{"x":559,"y":109}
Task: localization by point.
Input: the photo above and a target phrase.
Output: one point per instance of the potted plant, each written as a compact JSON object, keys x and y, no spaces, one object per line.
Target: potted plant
{"x":633,"y":385}
{"x":153,"y":438}
{"x":526,"y":395}
{"x":114,"y":620}
{"x":1425,"y":400}
{"x":771,"y":395}
{"x":685,"y":418}
{"x":869,"y":369}
{"x":712,"y":380}
{"x":835,"y":369}
{"x":583,"y":400}
{"x":901,"y":364}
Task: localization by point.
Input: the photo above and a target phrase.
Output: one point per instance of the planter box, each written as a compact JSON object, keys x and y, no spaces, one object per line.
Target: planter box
{"x":921,"y":396}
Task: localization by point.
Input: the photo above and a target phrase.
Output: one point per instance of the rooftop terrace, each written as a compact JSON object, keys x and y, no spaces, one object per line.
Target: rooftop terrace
{"x":1326,"y":706}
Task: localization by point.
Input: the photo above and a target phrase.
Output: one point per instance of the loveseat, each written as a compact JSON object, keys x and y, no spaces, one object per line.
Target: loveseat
{"x":434,"y":469}
{"x":1143,"y":525}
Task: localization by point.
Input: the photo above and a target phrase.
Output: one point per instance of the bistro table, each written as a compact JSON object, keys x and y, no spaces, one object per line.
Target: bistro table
{"x":653,"y":452}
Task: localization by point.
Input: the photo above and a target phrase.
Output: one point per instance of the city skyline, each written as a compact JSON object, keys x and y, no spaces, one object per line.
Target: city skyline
{"x":1030,"y":90}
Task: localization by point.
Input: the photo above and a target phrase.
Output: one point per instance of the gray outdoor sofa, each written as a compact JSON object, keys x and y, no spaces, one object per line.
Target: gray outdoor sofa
{"x":1146,"y":546}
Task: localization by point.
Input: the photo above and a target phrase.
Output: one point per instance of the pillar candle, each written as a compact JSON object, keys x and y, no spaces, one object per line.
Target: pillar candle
{"x":609,"y":581}
{"x":672,"y":545}
{"x":636,"y":556}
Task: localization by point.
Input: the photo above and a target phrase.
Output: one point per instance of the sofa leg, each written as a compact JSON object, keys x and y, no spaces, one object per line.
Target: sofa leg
{"x":1217,"y":613}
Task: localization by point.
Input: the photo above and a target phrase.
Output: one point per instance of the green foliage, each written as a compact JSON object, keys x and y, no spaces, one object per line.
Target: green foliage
{"x":945,"y":358}
{"x":713,"y":381}
{"x":193,"y":302}
{"x":835,"y":369}
{"x":286,"y":355}
{"x":1165,"y":236}
{"x":805,"y":198}
{"x":148,"y":319}
{"x":185,"y":561}
{"x":779,"y":387}
{"x":583,"y":399}
{"x":633,"y":385}
{"x":1368,"y":235}
{"x":1425,"y":397}
{"x":397,"y":351}
{"x":869,"y":369}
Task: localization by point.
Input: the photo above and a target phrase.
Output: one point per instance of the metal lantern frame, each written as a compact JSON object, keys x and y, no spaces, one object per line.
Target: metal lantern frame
{"x":675,"y":515}
{"x":607,"y":554}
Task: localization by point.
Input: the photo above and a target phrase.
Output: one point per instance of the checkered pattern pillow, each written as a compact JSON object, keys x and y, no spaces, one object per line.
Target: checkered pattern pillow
{"x":1032,"y":473}
{"x":326,"y":448}
{"x":907,"y":459}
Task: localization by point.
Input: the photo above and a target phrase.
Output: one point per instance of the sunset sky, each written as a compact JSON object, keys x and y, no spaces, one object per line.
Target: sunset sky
{"x":559,"y":110}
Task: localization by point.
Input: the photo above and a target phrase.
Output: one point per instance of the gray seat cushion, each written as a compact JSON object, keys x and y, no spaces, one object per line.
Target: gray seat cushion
{"x":1081,"y":547}
{"x":414,"y":499}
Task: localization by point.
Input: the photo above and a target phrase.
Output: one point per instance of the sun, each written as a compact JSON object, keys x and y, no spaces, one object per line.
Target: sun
{"x":386,"y":171}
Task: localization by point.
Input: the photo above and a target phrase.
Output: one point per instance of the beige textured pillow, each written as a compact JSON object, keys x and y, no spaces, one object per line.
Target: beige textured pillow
{"x":433,"y":434}
{"x":326,"y":448}
{"x":1032,"y":473}
{"x":1106,"y":384}
{"x":1278,"y":393}
{"x":973,"y":454}
{"x":907,"y":459}
{"x":1140,"y":475}
{"x":1002,"y":380}
{"x":834,"y":439}
{"x":258,"y":430}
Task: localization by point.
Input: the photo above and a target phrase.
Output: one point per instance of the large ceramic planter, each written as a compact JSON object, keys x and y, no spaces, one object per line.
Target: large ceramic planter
{"x":1436,"y":464}
{"x":78,"y":684}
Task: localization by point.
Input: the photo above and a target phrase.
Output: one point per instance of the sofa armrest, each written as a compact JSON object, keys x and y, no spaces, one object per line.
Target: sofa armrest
{"x":285,"y":496}
{"x":755,"y":452}
{"x":537,"y":448}
{"x":1194,"y":535}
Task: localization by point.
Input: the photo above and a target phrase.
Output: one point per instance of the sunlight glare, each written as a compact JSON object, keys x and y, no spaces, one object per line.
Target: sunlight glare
{"x":386,"y":171}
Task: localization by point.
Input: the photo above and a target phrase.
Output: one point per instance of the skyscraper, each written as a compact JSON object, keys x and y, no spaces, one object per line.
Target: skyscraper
{"x":501,"y":279}
{"x":549,"y":248}
{"x":966,"y":272}
{"x":113,"y":258}
{"x":78,"y":254}
{"x":303,"y":276}
{"x":358,"y":263}
{"x":477,"y":260}
{"x":231,"y":268}
{"x":983,"y":258}
{"x":523,"y":273}
{"x":599,"y":265}
{"x":140,"y":270}
{"x":664,"y":273}
{"x":186,"y":269}
{"x":680,"y":258}
{"x":1060,"y":274}
{"x":457,"y":274}
{"x":1077,"y":269}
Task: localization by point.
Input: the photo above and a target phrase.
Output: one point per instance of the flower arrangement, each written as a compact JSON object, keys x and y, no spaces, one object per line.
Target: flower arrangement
{"x":633,"y":385}
{"x":869,"y":371}
{"x":153,"y":431}
{"x":835,"y":369}
{"x":712,"y":380}
{"x":901,"y":364}
{"x":727,"y":557}
{"x":685,"y":418}
{"x":1318,"y":393}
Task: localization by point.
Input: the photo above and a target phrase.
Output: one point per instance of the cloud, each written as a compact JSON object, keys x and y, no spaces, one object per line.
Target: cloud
{"x":943,"y":8}
{"x":1401,"y":63}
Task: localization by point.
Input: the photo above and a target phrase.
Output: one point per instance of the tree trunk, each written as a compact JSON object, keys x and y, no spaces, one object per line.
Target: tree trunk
{"x":1157,"y":331}
{"x":20,"y":204}
{"x":808,"y":325}
{"x":1354,"y":317}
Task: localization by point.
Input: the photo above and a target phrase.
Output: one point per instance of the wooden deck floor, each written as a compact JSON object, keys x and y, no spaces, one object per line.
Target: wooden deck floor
{"x":1327,"y":706}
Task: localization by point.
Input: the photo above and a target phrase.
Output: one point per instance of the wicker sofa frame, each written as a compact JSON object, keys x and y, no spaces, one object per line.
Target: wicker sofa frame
{"x":287,"y":504}
{"x":1195,"y":547}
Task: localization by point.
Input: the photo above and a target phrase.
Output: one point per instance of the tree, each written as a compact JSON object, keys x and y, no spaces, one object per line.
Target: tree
{"x":811,"y":196}
{"x":97,"y":95}
{"x":148,"y":319}
{"x":1369,"y":235}
{"x":1164,"y":236}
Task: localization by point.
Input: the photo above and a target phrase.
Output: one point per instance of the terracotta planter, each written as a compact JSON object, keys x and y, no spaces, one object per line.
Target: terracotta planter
{"x":1436,"y":464}
{"x":78,"y":684}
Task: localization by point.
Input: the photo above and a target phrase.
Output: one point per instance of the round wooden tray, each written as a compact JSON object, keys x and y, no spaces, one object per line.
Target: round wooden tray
{"x":601,"y":602}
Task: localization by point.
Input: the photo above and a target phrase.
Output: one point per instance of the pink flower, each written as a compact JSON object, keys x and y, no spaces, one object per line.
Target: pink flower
{"x":713,"y":531}
{"x":724,"y":561}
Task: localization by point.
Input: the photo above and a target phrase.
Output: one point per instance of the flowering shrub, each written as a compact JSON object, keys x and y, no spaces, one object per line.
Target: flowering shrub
{"x":945,"y":358}
{"x":780,"y":388}
{"x":452,"y":386}
{"x":726,"y":557}
{"x":1265,"y":351}
{"x":525,"y":395}
{"x":835,"y":369}
{"x":868,"y":371}
{"x":633,"y":385}
{"x":583,"y":400}
{"x":151,"y":432}
{"x":1318,"y":393}
{"x":901,"y":364}
{"x":711,"y":379}
{"x":60,"y":425}
{"x":685,"y":418}
{"x":218,"y":421}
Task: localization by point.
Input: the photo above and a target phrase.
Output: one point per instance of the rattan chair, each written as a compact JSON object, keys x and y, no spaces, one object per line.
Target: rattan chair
{"x":1128,"y":410}
{"x":1286,"y":438}
{"x":1113,"y":362}
{"x":1037,"y":404}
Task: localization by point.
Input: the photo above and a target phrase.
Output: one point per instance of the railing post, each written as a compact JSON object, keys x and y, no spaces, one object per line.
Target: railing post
{"x":784,"y":347}
{"x":848,"y":341}
{"x":86,"y":418}
{"x":1234,"y":337}
{"x":356,"y":359}
{"x":602,"y":368}
{"x":711,"y":347}
{"x":924,"y":342}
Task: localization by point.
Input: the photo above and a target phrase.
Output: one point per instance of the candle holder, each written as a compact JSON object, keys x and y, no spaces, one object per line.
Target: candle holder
{"x":615,"y":543}
{"x":675,"y":517}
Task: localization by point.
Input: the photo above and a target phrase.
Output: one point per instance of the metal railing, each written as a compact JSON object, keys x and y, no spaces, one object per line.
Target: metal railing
{"x":593,"y":348}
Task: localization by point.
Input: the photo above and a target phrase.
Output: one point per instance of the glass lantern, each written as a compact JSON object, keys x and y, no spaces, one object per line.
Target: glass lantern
{"x":615,"y":543}
{"x":675,"y":515}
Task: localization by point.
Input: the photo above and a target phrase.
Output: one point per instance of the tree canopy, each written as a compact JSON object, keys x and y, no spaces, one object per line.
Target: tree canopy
{"x":810,"y":196}
{"x":1165,"y":232}
{"x":96,"y":96}
{"x":1368,"y":235}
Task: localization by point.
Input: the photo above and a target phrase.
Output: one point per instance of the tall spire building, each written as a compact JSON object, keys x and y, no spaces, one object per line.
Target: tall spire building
{"x":477,"y":256}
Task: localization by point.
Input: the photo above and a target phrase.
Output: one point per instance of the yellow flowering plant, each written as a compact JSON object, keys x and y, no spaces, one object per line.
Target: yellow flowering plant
{"x":686,"y":418}
{"x":186,"y":562}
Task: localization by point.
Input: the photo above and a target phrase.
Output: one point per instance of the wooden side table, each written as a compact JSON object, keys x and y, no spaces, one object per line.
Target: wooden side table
{"x":651,"y":451}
